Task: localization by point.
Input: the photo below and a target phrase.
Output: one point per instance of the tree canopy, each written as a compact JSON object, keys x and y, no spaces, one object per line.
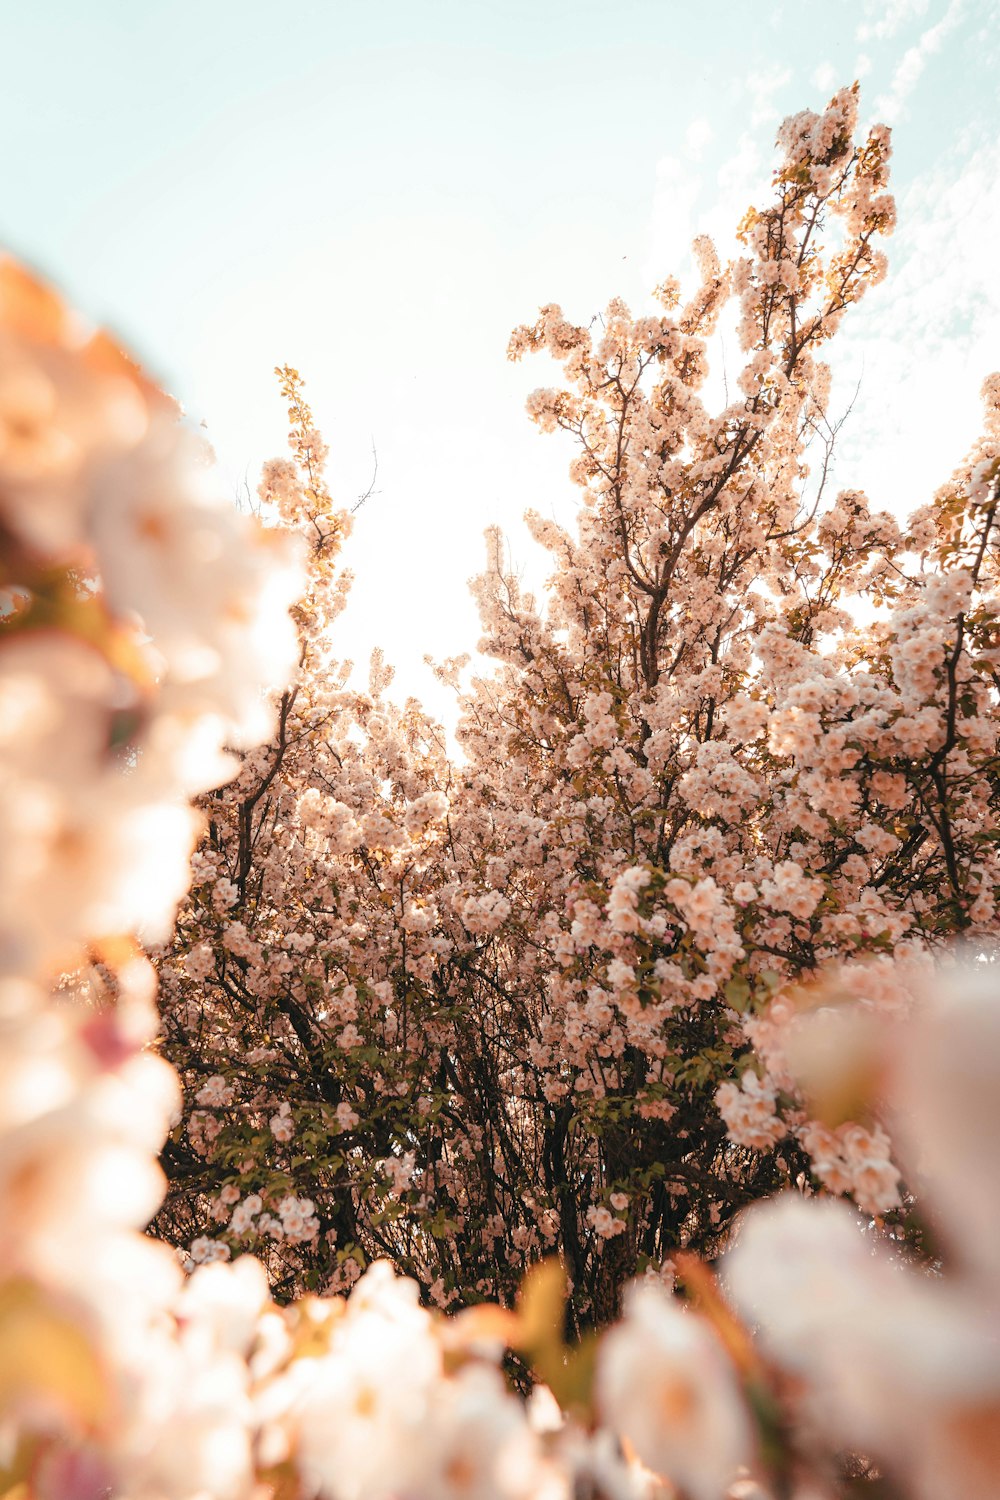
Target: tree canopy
{"x":466,"y":1011}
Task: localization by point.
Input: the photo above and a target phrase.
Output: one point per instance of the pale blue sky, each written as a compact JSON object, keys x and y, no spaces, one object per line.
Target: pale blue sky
{"x":378,"y":192}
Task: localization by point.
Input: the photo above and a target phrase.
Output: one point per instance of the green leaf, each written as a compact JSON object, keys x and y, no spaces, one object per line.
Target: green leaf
{"x":737,"y":993}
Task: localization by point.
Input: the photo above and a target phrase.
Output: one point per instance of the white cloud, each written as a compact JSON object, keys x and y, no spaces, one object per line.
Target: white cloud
{"x":923,"y":342}
{"x":889,"y":106}
{"x":762,"y":86}
{"x":825,"y":77}
{"x":673,"y":223}
{"x":894,"y":14}
{"x":687,"y":202}
{"x":697,"y":136}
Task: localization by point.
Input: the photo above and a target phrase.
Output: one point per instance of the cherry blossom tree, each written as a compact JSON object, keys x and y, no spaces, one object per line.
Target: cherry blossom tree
{"x":547,"y":996}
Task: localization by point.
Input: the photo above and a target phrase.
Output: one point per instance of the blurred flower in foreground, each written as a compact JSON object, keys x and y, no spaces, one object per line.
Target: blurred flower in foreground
{"x":897,"y":1360}
{"x":143,"y":622}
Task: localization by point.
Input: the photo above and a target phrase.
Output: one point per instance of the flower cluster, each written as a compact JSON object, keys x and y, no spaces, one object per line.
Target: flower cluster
{"x":141,"y":617}
{"x":144,"y":624}
{"x":888,"y":1358}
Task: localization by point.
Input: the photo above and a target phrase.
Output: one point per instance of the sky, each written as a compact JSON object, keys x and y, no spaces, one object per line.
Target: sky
{"x":378,"y":192}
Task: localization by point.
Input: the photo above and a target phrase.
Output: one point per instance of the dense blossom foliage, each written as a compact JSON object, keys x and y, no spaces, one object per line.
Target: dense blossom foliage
{"x":541,"y":997}
{"x":662,"y":939}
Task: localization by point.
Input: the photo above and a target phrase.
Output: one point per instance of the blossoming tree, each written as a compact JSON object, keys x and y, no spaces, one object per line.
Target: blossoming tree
{"x":498,"y":989}
{"x":547,"y":997}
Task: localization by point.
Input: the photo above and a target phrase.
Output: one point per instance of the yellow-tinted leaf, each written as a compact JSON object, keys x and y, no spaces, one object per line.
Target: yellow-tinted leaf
{"x":541,"y":1306}
{"x":572,"y":1380}
{"x":47,"y":1358}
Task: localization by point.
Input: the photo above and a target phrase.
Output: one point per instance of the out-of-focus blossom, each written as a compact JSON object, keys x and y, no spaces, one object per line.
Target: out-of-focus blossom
{"x":665,"y":1383}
